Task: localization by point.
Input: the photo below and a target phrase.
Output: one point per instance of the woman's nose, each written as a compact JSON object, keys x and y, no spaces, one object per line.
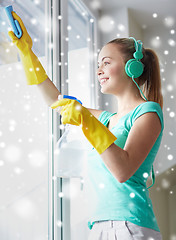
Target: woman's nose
{"x":99,"y":71}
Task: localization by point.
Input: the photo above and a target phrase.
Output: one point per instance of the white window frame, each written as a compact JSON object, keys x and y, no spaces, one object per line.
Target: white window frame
{"x":56,"y":45}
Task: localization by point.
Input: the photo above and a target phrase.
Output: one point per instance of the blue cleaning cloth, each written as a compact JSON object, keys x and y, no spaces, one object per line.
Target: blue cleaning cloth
{"x":7,"y":23}
{"x":14,"y":23}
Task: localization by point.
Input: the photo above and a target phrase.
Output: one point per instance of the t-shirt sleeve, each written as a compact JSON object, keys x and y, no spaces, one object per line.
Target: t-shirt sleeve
{"x":148,"y":107}
{"x":104,"y":116}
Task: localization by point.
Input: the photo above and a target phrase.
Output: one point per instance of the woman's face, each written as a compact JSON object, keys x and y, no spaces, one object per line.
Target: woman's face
{"x":111,"y":70}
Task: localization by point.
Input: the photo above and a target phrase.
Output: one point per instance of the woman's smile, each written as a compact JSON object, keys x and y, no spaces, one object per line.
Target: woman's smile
{"x":103,"y":81}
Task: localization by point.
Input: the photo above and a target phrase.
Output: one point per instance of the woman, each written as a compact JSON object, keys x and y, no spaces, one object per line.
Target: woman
{"x":124,"y":143}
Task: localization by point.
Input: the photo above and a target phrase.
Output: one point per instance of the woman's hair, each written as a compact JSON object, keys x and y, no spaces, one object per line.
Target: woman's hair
{"x":150,"y":78}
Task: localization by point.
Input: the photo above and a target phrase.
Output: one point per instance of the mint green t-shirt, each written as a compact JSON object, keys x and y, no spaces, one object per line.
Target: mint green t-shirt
{"x":127,"y":201}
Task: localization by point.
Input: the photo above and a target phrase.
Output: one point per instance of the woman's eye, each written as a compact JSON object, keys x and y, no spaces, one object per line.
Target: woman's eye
{"x":104,"y":63}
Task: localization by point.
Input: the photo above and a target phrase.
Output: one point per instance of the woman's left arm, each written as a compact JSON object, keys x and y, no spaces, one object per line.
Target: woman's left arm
{"x":123,"y":163}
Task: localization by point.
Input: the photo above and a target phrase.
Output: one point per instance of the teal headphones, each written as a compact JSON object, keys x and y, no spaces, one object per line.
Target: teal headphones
{"x":134,"y":67}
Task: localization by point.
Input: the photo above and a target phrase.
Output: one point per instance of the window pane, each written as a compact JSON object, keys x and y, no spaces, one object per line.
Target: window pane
{"x":23,"y":135}
{"x":80,"y":64}
{"x":79,"y":86}
{"x":32,"y":14}
{"x":79,"y":53}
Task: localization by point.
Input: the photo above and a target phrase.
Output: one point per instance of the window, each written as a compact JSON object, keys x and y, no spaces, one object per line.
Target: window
{"x":64,"y":39}
{"x":74,"y":58}
{"x":23,"y":134}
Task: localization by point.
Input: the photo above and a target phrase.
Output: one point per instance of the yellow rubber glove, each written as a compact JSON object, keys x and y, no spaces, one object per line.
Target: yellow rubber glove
{"x":74,"y":113}
{"x":34,"y":71}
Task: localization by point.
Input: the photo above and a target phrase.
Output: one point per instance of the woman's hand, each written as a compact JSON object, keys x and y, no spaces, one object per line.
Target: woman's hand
{"x":25,"y":42}
{"x":34,"y":70}
{"x":74,"y":113}
{"x":71,"y":111}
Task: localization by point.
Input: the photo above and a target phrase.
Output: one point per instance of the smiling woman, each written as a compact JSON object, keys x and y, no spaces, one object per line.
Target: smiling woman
{"x":156,"y":35}
{"x":130,"y":157}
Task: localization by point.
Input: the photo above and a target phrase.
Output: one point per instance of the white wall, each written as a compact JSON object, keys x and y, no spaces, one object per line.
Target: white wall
{"x":134,"y":27}
{"x":120,"y":27}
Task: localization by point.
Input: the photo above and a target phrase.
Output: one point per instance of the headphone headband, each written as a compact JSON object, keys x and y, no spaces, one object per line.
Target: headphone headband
{"x":134,"y":67}
{"x":138,"y":48}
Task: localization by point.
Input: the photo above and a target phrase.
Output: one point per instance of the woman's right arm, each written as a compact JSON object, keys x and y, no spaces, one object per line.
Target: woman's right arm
{"x":49,"y":91}
{"x":50,"y":94}
{"x":35,"y":73}
{"x":96,"y":113}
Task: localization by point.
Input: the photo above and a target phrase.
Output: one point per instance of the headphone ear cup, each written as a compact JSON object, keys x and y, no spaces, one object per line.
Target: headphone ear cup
{"x":134,"y":68}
